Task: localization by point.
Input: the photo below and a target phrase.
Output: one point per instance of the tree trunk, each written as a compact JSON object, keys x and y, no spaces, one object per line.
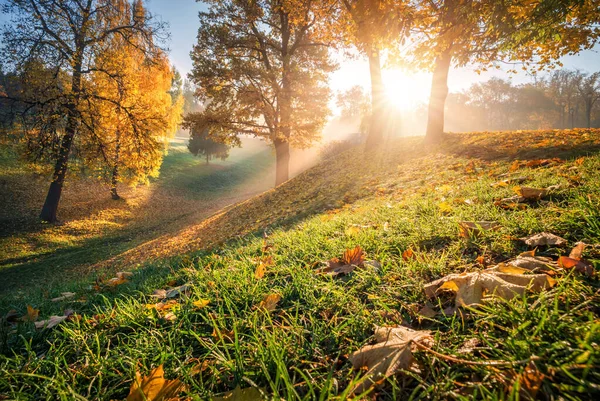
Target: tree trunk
{"x":437,"y":99}
{"x":377,"y":124}
{"x":282,"y":161}
{"x":50,"y":208}
{"x":115,"y":172}
{"x":588,"y":113}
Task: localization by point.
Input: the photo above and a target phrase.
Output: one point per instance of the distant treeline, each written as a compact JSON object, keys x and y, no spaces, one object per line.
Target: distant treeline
{"x":562,"y":99}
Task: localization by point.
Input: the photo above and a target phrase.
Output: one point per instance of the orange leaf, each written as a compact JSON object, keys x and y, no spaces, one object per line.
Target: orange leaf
{"x":408,"y":254}
{"x":580,"y":266}
{"x":354,"y":256}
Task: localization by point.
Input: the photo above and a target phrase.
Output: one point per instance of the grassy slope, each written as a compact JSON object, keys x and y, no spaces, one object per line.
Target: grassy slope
{"x":300,"y":350}
{"x":97,"y":228}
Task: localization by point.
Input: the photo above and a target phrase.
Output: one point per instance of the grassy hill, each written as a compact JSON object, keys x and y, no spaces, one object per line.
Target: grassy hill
{"x":255,"y":313}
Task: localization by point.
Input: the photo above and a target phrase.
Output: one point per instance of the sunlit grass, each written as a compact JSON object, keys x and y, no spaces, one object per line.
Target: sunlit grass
{"x":300,"y":351}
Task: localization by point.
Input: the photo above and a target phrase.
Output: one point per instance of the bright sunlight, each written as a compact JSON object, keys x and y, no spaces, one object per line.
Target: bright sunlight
{"x":406,"y":90}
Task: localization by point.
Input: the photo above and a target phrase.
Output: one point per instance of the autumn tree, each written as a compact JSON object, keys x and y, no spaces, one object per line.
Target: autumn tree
{"x":459,"y":32}
{"x":372,"y":26}
{"x":260,"y":69}
{"x":66,"y":37}
{"x":202,"y":145}
{"x":138,"y":105}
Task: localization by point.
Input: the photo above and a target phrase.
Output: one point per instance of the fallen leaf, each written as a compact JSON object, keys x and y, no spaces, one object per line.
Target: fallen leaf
{"x":577,"y":251}
{"x":51,"y":322}
{"x":173,"y":292}
{"x":260,"y":271}
{"x":533,"y":263}
{"x":469,"y":228}
{"x":270,"y":302}
{"x":241,"y":394}
{"x":426,"y":312}
{"x":408,"y":255}
{"x":580,"y":266}
{"x":351,"y":259}
{"x":201,"y":303}
{"x":544,"y":239}
{"x":32,"y":314}
{"x":391,"y":353}
{"x":160,"y":306}
{"x":352,"y":230}
{"x":170,"y":317}
{"x":531,"y":193}
{"x":154,"y":387}
{"x":471,"y":288}
{"x":64,"y":295}
{"x":530,"y":381}
{"x":508,"y":181}
{"x":121,"y":278}
{"x":445,"y":208}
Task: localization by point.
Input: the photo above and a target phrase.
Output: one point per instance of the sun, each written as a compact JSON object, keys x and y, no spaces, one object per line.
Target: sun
{"x":406,"y":90}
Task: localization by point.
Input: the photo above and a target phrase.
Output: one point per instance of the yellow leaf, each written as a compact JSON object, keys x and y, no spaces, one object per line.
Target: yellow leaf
{"x":445,"y":208}
{"x":32,"y":314}
{"x":240,"y":394}
{"x":270,"y":302}
{"x":201,"y":303}
{"x":154,"y":387}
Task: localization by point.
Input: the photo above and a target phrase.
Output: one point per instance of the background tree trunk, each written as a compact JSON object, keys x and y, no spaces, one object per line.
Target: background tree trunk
{"x":588,"y":113}
{"x":115,"y":172}
{"x":282,"y":161}
{"x":437,"y":99}
{"x":50,"y":208}
{"x":377,"y":123}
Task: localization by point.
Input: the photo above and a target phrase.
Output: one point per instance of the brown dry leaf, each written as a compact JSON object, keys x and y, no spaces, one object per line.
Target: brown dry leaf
{"x":577,"y":251}
{"x":354,"y":256}
{"x":530,"y":382}
{"x":121,"y":278}
{"x":154,"y":387}
{"x":530,"y":193}
{"x":173,"y":292}
{"x":408,"y":255}
{"x":544,"y":239}
{"x":225,"y":335}
{"x":533,"y":263}
{"x":240,"y":394}
{"x":351,"y":259}
{"x":469,"y":228}
{"x":391,"y":353}
{"x":51,"y":322}
{"x":580,"y":266}
{"x":64,"y":295}
{"x":270,"y":302}
{"x":471,"y":288}
{"x":427,"y":312}
{"x":201,"y":303}
{"x":170,"y":317}
{"x":32,"y":314}
{"x":508,"y":181}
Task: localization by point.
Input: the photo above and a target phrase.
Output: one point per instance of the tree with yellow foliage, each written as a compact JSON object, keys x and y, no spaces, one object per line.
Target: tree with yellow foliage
{"x":67,"y":37}
{"x":134,"y":112}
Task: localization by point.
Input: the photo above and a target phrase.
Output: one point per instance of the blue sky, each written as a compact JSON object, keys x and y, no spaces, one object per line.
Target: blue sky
{"x":182,"y":17}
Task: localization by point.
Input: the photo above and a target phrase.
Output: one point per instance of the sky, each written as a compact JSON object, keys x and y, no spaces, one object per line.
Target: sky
{"x":182,"y":17}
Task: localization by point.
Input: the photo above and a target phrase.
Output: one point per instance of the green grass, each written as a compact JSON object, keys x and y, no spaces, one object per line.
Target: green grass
{"x":300,"y":351}
{"x":97,"y":228}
